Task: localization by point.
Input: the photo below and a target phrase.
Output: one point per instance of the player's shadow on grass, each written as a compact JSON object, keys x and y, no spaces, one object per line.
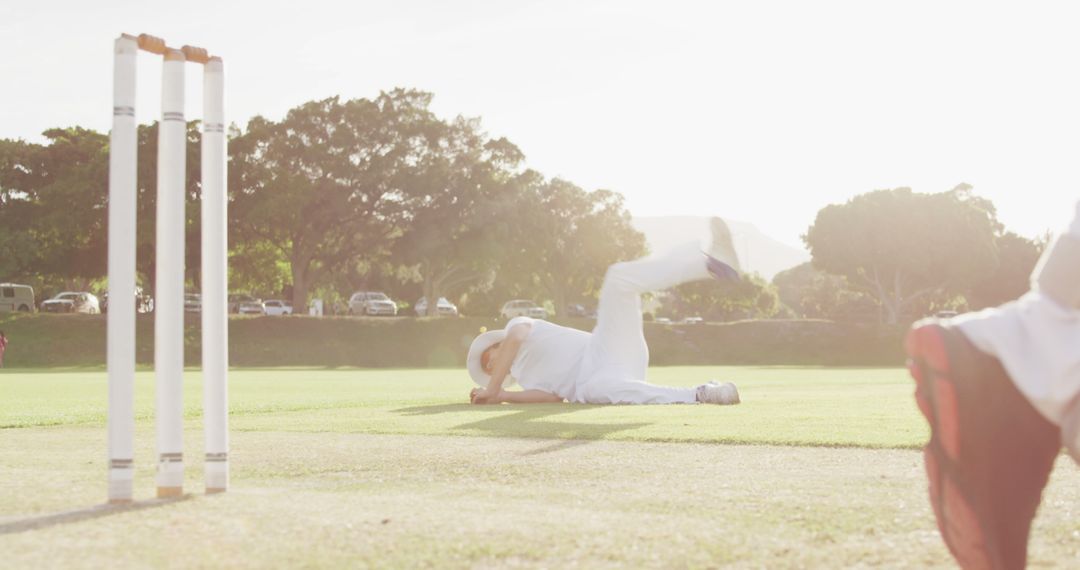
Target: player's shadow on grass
{"x":79,"y":515}
{"x":529,"y":421}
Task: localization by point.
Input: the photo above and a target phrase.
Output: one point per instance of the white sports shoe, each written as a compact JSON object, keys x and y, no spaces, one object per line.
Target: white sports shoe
{"x":720,"y":257}
{"x":717,"y":393}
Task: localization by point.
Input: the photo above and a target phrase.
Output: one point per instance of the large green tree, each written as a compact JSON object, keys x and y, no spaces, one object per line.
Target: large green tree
{"x":146,"y":205}
{"x":900,"y":246}
{"x":329,"y":182}
{"x":19,"y":180}
{"x":54,"y":207}
{"x":336,"y":195}
{"x":53,"y":201}
{"x":565,"y":238}
{"x":459,"y":199}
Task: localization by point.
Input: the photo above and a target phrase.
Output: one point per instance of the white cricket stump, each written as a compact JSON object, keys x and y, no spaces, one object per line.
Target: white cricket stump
{"x":121,"y":481}
{"x":215,"y":324}
{"x":217,"y":473}
{"x":169,"y":294}
{"x":120,"y":355}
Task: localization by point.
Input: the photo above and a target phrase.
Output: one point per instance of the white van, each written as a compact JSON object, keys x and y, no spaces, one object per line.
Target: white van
{"x":16,"y":297}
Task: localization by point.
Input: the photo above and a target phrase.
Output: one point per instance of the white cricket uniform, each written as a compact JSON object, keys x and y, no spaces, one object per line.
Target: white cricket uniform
{"x":1037,"y":337}
{"x":608,"y":366}
{"x":550,"y":357}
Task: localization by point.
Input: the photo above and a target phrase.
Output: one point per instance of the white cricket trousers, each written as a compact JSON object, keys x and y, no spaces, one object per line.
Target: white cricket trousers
{"x":1037,"y":337}
{"x":613,"y":369}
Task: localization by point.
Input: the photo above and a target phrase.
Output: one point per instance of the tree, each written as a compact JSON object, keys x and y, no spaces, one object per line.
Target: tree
{"x":567,"y":237}
{"x":814,"y":294}
{"x":900,"y":246}
{"x":751,"y":297}
{"x":146,"y":204}
{"x":54,"y":205}
{"x":53,"y":201}
{"x":327,"y":184}
{"x":257,"y":266}
{"x":19,"y":162}
{"x":335,"y":195}
{"x":1011,"y":279}
{"x":458,"y":200}
{"x":602,"y":235}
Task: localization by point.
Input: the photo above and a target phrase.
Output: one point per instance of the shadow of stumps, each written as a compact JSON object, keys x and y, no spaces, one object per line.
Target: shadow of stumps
{"x":80,"y":515}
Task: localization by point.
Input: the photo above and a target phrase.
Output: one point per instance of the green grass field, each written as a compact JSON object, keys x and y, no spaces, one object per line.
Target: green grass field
{"x":818,"y":467}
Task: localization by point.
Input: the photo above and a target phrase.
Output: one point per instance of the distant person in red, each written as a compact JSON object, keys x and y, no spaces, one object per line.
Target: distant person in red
{"x":3,"y":347}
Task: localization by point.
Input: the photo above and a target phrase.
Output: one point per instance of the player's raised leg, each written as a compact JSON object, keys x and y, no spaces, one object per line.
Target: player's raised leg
{"x":617,"y":358}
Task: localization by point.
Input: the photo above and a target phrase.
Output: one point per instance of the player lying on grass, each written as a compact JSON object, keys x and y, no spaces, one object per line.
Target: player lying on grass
{"x":1001,"y":390}
{"x":553,"y":363}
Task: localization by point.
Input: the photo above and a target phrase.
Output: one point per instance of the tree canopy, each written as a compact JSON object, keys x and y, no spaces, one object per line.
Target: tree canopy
{"x":342,"y":195}
{"x":338,"y":194}
{"x":901,"y":246}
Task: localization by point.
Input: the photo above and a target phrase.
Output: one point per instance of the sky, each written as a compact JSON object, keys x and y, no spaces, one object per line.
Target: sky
{"x":762,"y":112}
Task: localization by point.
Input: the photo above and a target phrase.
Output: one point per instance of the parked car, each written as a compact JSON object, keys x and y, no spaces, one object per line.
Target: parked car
{"x":371,"y":303}
{"x":244,"y":304}
{"x":72,"y":302}
{"x":16,"y":297}
{"x":579,"y":310}
{"x":946,"y":314}
{"x":192,"y":303}
{"x":662,"y":321}
{"x":693,"y":321}
{"x":522,"y":308}
{"x":442,"y":307}
{"x":277,"y":307}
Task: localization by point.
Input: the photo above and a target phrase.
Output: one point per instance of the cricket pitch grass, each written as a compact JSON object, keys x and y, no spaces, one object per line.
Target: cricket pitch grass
{"x":817,"y":468}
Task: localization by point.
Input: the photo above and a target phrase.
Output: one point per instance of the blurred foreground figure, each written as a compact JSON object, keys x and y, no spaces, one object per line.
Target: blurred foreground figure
{"x":1000,"y":390}
{"x":554,"y":363}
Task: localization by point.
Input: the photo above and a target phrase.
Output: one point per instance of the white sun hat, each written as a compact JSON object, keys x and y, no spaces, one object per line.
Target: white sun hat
{"x":476,"y":350}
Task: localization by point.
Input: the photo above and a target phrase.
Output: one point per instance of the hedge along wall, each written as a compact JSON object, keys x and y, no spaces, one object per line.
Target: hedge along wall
{"x":44,"y":341}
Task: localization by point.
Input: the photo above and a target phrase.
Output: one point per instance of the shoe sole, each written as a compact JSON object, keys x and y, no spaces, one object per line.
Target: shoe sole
{"x":935,"y":394}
